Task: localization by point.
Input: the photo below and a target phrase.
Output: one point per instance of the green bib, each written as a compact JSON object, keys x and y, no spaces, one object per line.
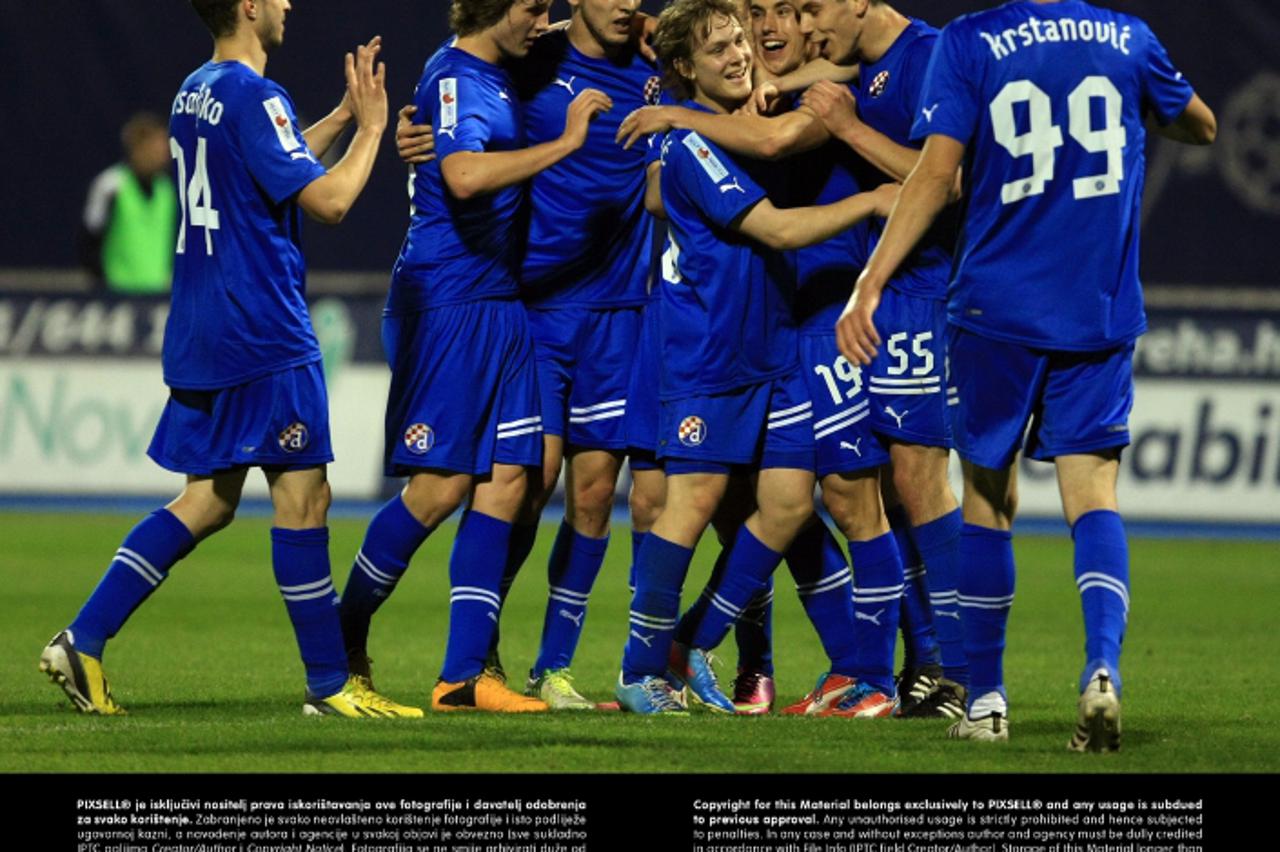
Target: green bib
{"x":137,"y":250}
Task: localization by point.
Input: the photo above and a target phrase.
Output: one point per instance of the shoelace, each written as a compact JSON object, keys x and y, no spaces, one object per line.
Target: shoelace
{"x":561,"y":683}
{"x":659,"y":694}
{"x":855,"y":695}
{"x":746,"y":684}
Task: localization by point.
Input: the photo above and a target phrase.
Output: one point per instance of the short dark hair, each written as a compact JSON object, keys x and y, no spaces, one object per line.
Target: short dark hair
{"x":219,"y":16}
{"x":682,"y":26}
{"x":472,"y":16}
{"x":139,"y":126}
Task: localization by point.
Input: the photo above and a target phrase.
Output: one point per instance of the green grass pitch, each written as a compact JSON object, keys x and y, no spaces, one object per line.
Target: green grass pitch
{"x":209,"y":672}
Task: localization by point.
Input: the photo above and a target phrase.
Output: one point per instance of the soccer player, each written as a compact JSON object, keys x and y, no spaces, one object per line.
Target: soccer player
{"x":452,"y":323}
{"x":240,"y":356}
{"x":1045,"y":102}
{"x":731,"y":396}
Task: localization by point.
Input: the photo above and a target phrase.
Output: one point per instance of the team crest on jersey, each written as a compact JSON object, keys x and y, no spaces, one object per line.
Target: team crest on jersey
{"x":419,"y":438}
{"x":652,"y":90}
{"x":693,"y":431}
{"x":706,"y":158}
{"x":294,"y":438}
{"x":878,"y":84}
{"x":281,"y":123}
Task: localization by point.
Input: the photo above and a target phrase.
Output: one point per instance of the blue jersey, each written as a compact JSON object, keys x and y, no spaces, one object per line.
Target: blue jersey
{"x":888,"y":96}
{"x":1050,"y":100}
{"x":588,"y":233}
{"x":726,"y":299}
{"x":461,"y":251}
{"x":238,"y":307}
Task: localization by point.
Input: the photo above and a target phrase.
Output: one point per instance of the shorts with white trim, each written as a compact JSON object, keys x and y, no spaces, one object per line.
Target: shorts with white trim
{"x":279,"y":421}
{"x":906,"y":378}
{"x":584,"y":359}
{"x":1075,"y":402}
{"x":766,"y":425}
{"x":643,"y":409}
{"x":464,"y":392}
{"x":842,"y":432}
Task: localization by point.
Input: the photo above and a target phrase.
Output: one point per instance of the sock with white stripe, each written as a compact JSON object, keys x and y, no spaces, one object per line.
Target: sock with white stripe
{"x":394,"y":535}
{"x":877,"y":593}
{"x":522,"y":538}
{"x":692,"y":616}
{"x":661,"y":567}
{"x":919,"y":643}
{"x":747,"y":569}
{"x":140,"y":565}
{"x":822,"y":578}
{"x":300,"y":559}
{"x":939,"y":544}
{"x":1102,"y":576}
{"x":570,"y":582}
{"x":475,"y":573}
{"x":985,"y":594}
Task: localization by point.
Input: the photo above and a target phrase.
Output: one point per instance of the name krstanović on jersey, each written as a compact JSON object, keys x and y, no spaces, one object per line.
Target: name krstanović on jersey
{"x":1035,"y":31}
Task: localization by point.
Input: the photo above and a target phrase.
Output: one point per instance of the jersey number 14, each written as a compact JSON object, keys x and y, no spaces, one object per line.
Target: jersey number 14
{"x":1043,"y":138}
{"x":195,"y":199}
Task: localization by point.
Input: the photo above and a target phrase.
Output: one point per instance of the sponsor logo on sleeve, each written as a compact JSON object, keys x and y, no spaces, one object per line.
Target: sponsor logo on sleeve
{"x":706,"y":158}
{"x":281,"y":123}
{"x":448,"y":104}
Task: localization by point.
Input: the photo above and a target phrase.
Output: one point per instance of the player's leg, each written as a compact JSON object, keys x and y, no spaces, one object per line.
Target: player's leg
{"x":645,"y":501}
{"x":73,"y":658}
{"x":921,"y":661}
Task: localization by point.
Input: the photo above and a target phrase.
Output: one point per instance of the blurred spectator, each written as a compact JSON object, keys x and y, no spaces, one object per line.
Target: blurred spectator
{"x":130,"y":217}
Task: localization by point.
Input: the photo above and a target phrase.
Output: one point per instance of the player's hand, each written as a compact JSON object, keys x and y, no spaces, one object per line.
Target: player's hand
{"x":414,"y":142}
{"x":763,"y":100}
{"x":834,"y":105}
{"x":586,"y":106}
{"x":367,"y":87}
{"x":642,"y":29}
{"x":641,"y":123}
{"x":885,"y":196}
{"x":856,"y":333}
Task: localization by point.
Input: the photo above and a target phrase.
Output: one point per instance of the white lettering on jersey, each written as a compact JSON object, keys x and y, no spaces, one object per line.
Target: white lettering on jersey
{"x":448,"y":104}
{"x":706,"y":158}
{"x":281,"y":123}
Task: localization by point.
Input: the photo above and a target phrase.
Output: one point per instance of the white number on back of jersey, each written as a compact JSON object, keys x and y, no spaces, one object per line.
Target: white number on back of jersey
{"x":1043,"y":137}
{"x":195,"y":200}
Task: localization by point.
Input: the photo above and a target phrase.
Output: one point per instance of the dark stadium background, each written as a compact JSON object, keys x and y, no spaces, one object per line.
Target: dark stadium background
{"x":74,"y":71}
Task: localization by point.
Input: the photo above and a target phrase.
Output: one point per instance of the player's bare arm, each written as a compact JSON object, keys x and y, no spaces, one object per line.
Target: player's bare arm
{"x":797,"y":227}
{"x":321,"y":135}
{"x":765,"y":97}
{"x":926,"y":191}
{"x":469,"y":174}
{"x":328,"y":198}
{"x":653,"y":191}
{"x":756,"y":136}
{"x":1196,"y":126}
{"x":415,"y":143}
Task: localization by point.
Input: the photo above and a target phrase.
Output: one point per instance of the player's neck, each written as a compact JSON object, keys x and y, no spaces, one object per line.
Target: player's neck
{"x":244,"y":47}
{"x":482,"y":46}
{"x":701,"y":97}
{"x":884,"y":25}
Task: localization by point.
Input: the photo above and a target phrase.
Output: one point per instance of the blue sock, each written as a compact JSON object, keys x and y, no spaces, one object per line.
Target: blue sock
{"x":985,"y":594}
{"x":747,"y":569}
{"x":822,"y":582}
{"x":394,"y":535}
{"x":140,"y":565}
{"x":1102,"y":575}
{"x":692,"y":616}
{"x":522,"y":538}
{"x":754,"y":632}
{"x":570,"y":581}
{"x":877,"y":593}
{"x":661,"y":567}
{"x":300,"y":559}
{"x":939,"y":544}
{"x":637,"y":539}
{"x":919,"y":643}
{"x":475,"y":574}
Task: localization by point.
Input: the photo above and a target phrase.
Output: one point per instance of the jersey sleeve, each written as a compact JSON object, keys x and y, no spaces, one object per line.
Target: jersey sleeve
{"x":1165,"y":91}
{"x":460,"y":115}
{"x":913,"y":73}
{"x":272,"y":144}
{"x":714,"y":183}
{"x":948,"y":99}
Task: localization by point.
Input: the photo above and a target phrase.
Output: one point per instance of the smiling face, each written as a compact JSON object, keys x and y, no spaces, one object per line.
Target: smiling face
{"x":834,"y":27}
{"x":775,"y":28}
{"x":720,"y":65}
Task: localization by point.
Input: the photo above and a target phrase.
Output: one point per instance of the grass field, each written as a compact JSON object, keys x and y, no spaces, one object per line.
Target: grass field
{"x":209,"y":672}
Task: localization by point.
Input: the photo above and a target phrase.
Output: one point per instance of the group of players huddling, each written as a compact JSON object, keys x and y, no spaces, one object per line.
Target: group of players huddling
{"x":531,"y":326}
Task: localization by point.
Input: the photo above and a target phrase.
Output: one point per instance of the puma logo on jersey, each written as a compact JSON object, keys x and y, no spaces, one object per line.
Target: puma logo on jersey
{"x":888,"y":409}
{"x":929,"y":111}
{"x":568,"y":85}
{"x":734,"y":185}
{"x":576,"y":619}
{"x":856,"y":446}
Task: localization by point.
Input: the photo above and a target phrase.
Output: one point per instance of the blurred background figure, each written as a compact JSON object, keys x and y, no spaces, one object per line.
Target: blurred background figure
{"x":130,"y":215}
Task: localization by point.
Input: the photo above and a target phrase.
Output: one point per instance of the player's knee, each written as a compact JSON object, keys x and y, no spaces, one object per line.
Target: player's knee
{"x":592,"y":505}
{"x":645,"y":506}
{"x":786,"y":511}
{"x":857,"y":512}
{"x":430,"y":501}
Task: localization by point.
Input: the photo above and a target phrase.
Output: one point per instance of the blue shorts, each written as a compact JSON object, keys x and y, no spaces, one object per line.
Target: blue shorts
{"x":584,"y":358}
{"x":842,"y":430}
{"x":464,"y":393}
{"x":1076,"y":402}
{"x":760,"y":426}
{"x":279,"y":422}
{"x":906,"y":377}
{"x":643,"y":409}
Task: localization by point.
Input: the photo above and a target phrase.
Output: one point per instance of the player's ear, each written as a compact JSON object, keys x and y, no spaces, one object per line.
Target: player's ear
{"x":250,"y":9}
{"x":684,"y":68}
